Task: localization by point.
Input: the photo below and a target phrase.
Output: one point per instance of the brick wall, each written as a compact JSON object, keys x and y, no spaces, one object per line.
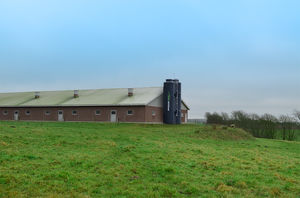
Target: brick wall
{"x":83,"y":113}
{"x":140,"y":114}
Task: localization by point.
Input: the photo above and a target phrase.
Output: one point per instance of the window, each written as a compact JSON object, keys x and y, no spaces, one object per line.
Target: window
{"x":16,"y":112}
{"x":97,"y":112}
{"x":153,"y":113}
{"x":47,"y":112}
{"x":27,"y":112}
{"x":129,"y":112}
{"x":5,"y":112}
{"x":60,"y":112}
{"x":74,"y":112}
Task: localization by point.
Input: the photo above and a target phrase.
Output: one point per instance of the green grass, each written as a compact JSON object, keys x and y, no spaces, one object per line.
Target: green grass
{"x":132,"y":160}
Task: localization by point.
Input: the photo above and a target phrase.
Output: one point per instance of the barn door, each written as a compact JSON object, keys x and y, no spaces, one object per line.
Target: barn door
{"x":113,"y":116}
{"x":16,"y":115}
{"x":60,"y":116}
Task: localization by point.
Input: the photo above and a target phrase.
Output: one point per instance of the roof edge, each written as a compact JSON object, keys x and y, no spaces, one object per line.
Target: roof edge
{"x":185,"y":105}
{"x":52,"y":106}
{"x":33,"y":91}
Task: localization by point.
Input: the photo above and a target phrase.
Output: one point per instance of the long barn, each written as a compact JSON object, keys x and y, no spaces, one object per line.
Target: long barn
{"x":100,"y":105}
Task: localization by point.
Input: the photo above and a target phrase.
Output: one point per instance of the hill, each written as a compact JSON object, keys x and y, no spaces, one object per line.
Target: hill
{"x":137,"y":160}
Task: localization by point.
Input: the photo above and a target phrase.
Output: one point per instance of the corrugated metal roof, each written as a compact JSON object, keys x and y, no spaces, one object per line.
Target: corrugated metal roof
{"x":97,"y":97}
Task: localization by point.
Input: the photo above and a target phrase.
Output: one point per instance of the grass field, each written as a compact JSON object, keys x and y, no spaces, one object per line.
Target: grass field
{"x":132,"y":160}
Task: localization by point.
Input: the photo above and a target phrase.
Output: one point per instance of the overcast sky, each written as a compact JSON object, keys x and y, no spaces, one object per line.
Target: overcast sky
{"x":229,"y":55}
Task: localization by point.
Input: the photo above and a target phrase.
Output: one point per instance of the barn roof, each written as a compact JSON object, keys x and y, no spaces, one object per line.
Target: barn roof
{"x":95,"y":97}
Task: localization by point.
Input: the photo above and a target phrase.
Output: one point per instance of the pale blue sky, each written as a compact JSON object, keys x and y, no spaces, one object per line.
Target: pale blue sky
{"x":229,"y":55}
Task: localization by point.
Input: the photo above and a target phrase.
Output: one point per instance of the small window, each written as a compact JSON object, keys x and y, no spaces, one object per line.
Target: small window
{"x":153,"y":113}
{"x":60,"y":112}
{"x":27,"y":112}
{"x":129,"y":112}
{"x":74,"y":112}
{"x":47,"y":112}
{"x":97,"y":112}
{"x":16,"y":112}
{"x":5,"y":112}
{"x":113,"y":112}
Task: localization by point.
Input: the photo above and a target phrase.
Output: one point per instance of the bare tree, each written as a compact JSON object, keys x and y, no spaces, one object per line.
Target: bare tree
{"x":214,"y":118}
{"x":254,"y":124}
{"x":265,"y":126}
{"x":225,"y":117}
{"x":297,"y":114}
{"x":285,"y":121}
{"x":268,"y":122}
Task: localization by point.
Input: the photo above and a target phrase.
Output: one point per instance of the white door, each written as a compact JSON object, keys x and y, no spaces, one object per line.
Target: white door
{"x":186,"y":118}
{"x":113,"y":116}
{"x":60,"y":115}
{"x":16,"y":115}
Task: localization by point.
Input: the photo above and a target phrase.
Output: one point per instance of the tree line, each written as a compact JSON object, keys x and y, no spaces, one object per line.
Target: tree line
{"x":265,"y":126}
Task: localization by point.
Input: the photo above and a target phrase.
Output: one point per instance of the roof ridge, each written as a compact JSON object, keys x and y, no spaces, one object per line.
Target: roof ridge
{"x":75,"y":89}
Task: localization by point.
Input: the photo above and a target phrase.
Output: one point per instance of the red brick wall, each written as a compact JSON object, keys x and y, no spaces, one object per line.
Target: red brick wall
{"x":140,"y":114}
{"x":157,"y":118}
{"x":184,"y":113}
{"x":83,"y":114}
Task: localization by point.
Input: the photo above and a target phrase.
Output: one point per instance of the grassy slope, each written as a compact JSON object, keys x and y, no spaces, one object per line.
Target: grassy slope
{"x":130,"y":160}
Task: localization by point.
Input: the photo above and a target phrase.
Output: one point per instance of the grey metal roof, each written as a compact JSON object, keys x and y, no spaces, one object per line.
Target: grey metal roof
{"x":95,"y":97}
